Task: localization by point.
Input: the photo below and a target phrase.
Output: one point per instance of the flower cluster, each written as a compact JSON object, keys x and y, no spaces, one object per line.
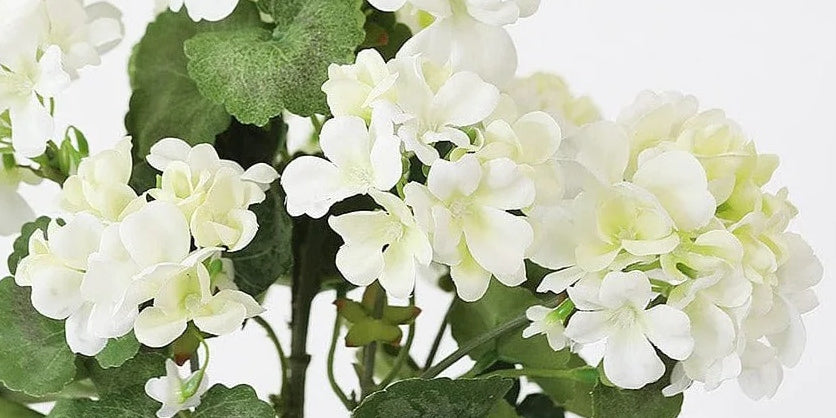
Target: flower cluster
{"x":120,"y":252}
{"x":656,"y":228}
{"x":43,"y":45}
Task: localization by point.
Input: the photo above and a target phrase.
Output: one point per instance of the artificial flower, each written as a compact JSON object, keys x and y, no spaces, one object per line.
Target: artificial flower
{"x":16,"y":211}
{"x":387,"y":245}
{"x":618,"y":314}
{"x":83,"y":33}
{"x":549,"y":93}
{"x":359,"y":159}
{"x":464,"y":209}
{"x":353,"y":89}
{"x":170,"y":390}
{"x":547,"y":322}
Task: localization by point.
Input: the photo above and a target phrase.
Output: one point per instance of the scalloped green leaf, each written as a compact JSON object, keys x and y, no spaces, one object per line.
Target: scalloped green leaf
{"x":269,"y":257}
{"x":414,"y":398}
{"x":237,"y":402}
{"x":256,"y":73}
{"x":34,"y":356}
{"x":165,"y":100}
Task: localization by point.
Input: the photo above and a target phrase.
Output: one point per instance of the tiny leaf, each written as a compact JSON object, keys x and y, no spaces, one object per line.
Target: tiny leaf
{"x":118,"y":351}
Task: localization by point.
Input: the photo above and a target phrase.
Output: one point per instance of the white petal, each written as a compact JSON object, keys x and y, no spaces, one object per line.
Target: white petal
{"x":497,"y":239}
{"x":75,"y":241}
{"x":55,"y":289}
{"x":630,"y":361}
{"x":386,"y":161}
{"x":622,"y":289}
{"x":588,"y":327}
{"x":261,"y":174}
{"x":539,"y":136}
{"x":156,"y":233}
{"x":398,"y":275}
{"x":362,"y":228}
{"x":220,"y":316}
{"x":166,"y":151}
{"x":155,"y":328}
{"x":212,"y":11}
{"x":360,"y":264}
{"x":471,"y":280}
{"x":79,"y":336}
{"x":312,"y":186}
{"x":52,"y":78}
{"x":15,"y":210}
{"x":32,"y":126}
{"x":537,"y":313}
{"x":345,"y":141}
{"x":505,"y":186}
{"x":449,"y":108}
{"x":447,"y":179}
{"x":678,"y":180}
{"x":669,"y":329}
{"x":387,"y":5}
{"x":559,"y":281}
{"x":651,"y":247}
{"x":554,"y":238}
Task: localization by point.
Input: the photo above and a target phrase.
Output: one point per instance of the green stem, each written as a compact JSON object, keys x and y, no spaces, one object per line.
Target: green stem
{"x":271,"y":334}
{"x":438,"y":336}
{"x":349,"y":404}
{"x":403,"y":354}
{"x":514,"y":324}
{"x":367,"y":384}
{"x":580,"y":374}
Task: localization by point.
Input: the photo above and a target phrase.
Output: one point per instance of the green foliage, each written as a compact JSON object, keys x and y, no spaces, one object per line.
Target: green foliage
{"x":647,"y":402}
{"x":34,"y":353}
{"x":269,"y":256}
{"x":58,"y":162}
{"x":118,"y":351}
{"x":20,"y":247}
{"x":11,"y":409}
{"x":165,"y":101}
{"x":365,"y":328}
{"x":256,"y":73}
{"x":538,"y":405}
{"x":384,"y":33}
{"x":499,"y":305}
{"x":250,"y":144}
{"x":237,"y":402}
{"x":132,"y":373}
{"x":502,"y":409}
{"x":435,"y":398}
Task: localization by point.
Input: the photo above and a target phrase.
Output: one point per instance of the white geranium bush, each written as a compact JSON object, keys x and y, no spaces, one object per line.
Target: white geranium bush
{"x":597,"y":259}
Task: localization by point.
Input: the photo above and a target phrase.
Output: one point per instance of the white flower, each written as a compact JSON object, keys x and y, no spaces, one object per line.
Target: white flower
{"x":16,"y":211}
{"x":549,"y":93}
{"x":531,"y":142}
{"x":761,"y":373}
{"x":187,"y":296}
{"x":358,"y":160}
{"x":464,"y":209}
{"x":353,"y":89}
{"x":211,"y":10}
{"x":213,"y":194}
{"x":383,"y":245}
{"x":654,"y":118}
{"x":619,"y":314}
{"x":468,"y":34}
{"x":169,"y":390}
{"x":437,"y":102}
{"x":546,"y":321}
{"x":82,"y":33}
{"x":55,"y":271}
{"x":24,"y":82}
{"x":101,"y":185}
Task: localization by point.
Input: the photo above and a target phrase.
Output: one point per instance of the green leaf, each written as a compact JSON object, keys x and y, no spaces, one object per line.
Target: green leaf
{"x":165,"y":100}
{"x":237,"y":402}
{"x":130,"y":403}
{"x":121,"y":390}
{"x":647,"y":402}
{"x":118,"y":351}
{"x":502,"y":409}
{"x":365,"y":332}
{"x":499,"y":305}
{"x":134,"y":372}
{"x":269,"y":256}
{"x":12,"y":409}
{"x":256,"y":73}
{"x":441,"y":398}
{"x":34,"y":357}
{"x":538,"y":405}
{"x":20,"y":248}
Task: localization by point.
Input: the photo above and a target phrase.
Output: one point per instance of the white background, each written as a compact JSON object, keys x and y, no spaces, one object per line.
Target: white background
{"x":770,"y":64}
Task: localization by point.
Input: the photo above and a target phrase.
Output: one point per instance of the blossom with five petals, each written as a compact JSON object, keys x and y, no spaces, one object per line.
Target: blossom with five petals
{"x":169,"y":390}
